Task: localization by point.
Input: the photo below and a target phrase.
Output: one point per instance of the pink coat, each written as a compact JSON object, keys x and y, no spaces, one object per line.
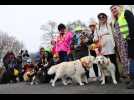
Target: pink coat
{"x":63,"y":43}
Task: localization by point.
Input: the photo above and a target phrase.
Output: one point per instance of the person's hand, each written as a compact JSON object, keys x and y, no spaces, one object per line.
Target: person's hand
{"x":56,"y":55}
{"x":93,"y":46}
{"x":68,"y":52}
{"x":75,"y":46}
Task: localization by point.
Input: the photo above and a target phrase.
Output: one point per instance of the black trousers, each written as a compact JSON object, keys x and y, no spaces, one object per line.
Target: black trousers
{"x":113,"y":60}
{"x":63,"y":56}
{"x":95,"y":67}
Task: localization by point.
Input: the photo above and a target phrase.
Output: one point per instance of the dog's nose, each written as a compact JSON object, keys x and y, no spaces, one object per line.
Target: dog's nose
{"x":99,"y":62}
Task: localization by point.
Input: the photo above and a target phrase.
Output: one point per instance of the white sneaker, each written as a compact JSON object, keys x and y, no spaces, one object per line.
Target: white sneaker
{"x":18,"y":80}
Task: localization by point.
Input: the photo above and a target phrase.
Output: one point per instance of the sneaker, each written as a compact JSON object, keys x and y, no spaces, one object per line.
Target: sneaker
{"x":17,"y":79}
{"x":32,"y":83}
{"x":130,"y":86}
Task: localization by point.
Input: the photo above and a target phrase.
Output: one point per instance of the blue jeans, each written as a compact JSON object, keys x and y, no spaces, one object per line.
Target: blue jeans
{"x":63,"y":56}
{"x":131,"y":67}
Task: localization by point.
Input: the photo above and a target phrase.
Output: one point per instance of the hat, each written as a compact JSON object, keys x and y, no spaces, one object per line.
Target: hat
{"x":78,"y":28}
{"x":102,"y":14}
{"x":92,"y":22}
{"x":48,"y":49}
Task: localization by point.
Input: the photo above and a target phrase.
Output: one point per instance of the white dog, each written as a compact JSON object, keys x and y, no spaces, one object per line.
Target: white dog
{"x":106,"y":67}
{"x":73,"y":69}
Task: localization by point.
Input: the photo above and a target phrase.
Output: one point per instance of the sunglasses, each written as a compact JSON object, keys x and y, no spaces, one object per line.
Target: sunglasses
{"x":42,"y":52}
{"x":102,"y":17}
{"x":113,"y":9}
{"x":91,"y":25}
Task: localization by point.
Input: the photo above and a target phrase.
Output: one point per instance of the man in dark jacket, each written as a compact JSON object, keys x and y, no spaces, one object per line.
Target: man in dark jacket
{"x":45,"y":62}
{"x":129,"y":17}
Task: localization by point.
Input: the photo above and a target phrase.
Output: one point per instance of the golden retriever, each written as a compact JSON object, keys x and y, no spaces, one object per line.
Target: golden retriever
{"x":107,"y":68}
{"x":73,"y":69}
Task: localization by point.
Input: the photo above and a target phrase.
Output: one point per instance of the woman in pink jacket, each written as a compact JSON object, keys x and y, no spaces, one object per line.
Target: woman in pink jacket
{"x":63,"y":43}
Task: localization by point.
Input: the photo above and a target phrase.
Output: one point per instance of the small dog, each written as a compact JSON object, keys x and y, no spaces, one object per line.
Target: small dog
{"x":39,"y":74}
{"x":106,"y":67}
{"x":29,"y":71}
{"x":73,"y":69}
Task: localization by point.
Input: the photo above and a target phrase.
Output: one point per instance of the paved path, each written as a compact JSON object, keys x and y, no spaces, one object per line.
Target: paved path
{"x":91,"y":88}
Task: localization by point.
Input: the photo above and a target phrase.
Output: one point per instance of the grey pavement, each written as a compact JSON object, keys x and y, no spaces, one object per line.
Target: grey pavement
{"x":90,"y":88}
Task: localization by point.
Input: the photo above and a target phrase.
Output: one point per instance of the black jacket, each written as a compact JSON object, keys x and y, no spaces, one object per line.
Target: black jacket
{"x":130,"y":20}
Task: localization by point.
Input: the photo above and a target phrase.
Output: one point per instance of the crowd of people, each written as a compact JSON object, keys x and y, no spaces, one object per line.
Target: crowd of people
{"x":110,"y":39}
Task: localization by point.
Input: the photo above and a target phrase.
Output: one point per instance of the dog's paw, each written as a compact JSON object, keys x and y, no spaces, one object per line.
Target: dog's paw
{"x":115,"y":82}
{"x":51,"y":81}
{"x":86,"y":82}
{"x":32,"y":83}
{"x":81,"y":84}
{"x":65,"y":83}
{"x":69,"y":82}
{"x":53,"y":85}
{"x":36,"y":83}
{"x":102,"y":83}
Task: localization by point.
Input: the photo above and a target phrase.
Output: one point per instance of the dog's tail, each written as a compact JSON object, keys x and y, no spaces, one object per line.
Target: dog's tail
{"x":52,"y":70}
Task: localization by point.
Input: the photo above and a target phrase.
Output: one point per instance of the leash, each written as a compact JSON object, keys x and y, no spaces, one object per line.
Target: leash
{"x":83,"y":66}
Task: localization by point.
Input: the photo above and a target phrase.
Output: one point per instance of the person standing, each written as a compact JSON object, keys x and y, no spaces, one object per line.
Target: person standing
{"x":105,"y":37}
{"x":123,"y":27}
{"x":63,"y":43}
{"x":93,"y":30}
{"x":76,"y":42}
{"x":45,"y":62}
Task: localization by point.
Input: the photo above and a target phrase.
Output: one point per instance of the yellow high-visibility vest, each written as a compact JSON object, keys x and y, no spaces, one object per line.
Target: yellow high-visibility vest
{"x":123,"y":25}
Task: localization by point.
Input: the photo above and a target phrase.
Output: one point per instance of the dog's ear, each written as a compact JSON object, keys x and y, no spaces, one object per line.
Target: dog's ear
{"x":83,"y":63}
{"x":105,"y":60}
{"x":108,"y":60}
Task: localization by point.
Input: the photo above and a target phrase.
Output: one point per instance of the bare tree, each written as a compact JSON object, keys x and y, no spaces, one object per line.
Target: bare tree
{"x":72,"y":25}
{"x":49,"y":30}
{"x":9,"y":43}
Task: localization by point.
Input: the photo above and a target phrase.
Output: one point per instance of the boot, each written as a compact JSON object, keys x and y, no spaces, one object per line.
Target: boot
{"x":131,"y":83}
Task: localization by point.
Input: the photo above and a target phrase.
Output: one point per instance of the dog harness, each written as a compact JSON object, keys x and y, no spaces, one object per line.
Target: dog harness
{"x":83,"y":66}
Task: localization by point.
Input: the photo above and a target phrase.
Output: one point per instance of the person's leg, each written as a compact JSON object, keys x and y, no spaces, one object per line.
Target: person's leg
{"x":131,"y":72}
{"x":61,"y":57}
{"x":113,"y":60}
{"x":95,"y":67}
{"x":87,"y":74}
{"x":66,"y":57}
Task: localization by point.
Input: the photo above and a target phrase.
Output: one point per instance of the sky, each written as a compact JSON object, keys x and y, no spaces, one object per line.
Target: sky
{"x":24,"y":21}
